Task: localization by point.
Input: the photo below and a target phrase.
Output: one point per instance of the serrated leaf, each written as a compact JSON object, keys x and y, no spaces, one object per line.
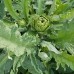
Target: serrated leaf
{"x":18,"y":62}
{"x":6,"y":39}
{"x":64,"y":59}
{"x":32,"y":65}
{"x":65,"y":36}
{"x":69,"y":47}
{"x":13,"y":41}
{"x":5,"y":64}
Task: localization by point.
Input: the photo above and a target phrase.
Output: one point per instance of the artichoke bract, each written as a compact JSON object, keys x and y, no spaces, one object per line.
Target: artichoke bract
{"x":39,"y":23}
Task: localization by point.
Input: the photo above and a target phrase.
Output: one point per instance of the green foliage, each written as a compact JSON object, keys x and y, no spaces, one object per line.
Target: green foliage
{"x":32,"y":64}
{"x":36,"y":36}
{"x":5,"y":63}
{"x":64,"y":59}
{"x":17,"y":63}
{"x":13,"y":41}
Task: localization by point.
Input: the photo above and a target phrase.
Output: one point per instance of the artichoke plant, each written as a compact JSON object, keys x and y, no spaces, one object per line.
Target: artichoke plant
{"x":36,"y":36}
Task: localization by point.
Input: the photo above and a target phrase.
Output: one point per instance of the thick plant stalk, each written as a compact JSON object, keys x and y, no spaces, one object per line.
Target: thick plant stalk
{"x":40,"y":6}
{"x":8,"y":5}
{"x":25,"y":5}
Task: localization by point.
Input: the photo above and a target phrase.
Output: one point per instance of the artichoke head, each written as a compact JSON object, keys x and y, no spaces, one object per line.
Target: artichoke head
{"x":39,"y":23}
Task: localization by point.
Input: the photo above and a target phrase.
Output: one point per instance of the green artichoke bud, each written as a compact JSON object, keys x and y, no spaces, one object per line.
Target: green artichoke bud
{"x":21,"y":23}
{"x":40,"y":23}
